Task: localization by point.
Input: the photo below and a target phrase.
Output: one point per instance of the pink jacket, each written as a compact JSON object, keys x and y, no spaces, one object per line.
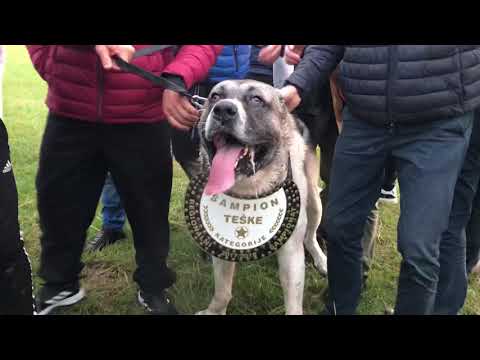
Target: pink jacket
{"x":79,"y":87}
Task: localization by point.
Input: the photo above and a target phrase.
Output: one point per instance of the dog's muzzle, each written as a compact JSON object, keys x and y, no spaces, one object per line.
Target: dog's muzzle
{"x":225,"y":112}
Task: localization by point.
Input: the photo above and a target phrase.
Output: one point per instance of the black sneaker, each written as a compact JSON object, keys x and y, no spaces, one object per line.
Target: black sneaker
{"x":50,"y":298}
{"x":104,"y":238}
{"x":156,"y":304}
{"x":389,"y":196}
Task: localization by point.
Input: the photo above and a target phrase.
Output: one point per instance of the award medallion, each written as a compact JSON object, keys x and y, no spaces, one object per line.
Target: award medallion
{"x":241,"y":229}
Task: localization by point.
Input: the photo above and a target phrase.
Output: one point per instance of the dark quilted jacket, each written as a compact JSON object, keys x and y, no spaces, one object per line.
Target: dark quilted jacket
{"x":397,"y":83}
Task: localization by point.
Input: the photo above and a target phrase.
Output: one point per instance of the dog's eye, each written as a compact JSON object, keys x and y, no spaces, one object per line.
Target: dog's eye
{"x":214,"y":97}
{"x":257,"y":100}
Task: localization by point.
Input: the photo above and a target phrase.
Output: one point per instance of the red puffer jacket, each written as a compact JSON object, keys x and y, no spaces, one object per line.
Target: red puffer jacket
{"x":79,"y":87}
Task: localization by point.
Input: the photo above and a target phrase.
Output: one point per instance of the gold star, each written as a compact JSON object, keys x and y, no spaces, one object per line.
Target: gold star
{"x":241,"y":232}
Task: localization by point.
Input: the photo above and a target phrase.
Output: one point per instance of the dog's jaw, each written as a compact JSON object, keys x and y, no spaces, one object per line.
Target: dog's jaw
{"x":265,"y":180}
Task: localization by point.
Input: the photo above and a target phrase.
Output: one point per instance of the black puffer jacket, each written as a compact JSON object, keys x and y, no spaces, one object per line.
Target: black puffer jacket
{"x":397,"y":83}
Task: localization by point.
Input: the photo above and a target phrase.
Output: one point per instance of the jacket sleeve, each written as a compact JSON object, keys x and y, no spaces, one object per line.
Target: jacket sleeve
{"x":314,"y":69}
{"x":192,"y":62}
{"x":39,"y":55}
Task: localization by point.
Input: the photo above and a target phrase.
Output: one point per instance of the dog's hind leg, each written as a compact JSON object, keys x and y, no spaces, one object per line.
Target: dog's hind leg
{"x":223,"y":272}
{"x":314,"y":213}
{"x":291,"y":261}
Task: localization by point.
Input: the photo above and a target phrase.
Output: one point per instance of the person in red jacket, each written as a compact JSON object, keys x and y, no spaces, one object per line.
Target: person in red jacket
{"x":102,"y":119}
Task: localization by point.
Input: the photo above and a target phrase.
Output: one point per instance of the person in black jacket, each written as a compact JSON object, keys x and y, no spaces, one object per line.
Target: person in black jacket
{"x":318,"y":114}
{"x":411,"y":102}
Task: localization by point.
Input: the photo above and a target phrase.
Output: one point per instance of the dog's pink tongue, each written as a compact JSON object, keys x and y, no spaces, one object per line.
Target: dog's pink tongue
{"x":222,"y":171}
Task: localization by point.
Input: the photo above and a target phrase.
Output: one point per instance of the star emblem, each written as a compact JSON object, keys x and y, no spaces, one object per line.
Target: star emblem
{"x":241,"y":232}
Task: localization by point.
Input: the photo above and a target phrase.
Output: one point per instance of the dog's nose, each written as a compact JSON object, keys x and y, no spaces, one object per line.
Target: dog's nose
{"x":225,"y":111}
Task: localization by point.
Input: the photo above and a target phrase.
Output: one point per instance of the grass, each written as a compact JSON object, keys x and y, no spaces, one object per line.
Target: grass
{"x":108,"y":274}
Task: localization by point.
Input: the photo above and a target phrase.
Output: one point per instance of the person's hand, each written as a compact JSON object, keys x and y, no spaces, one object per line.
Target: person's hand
{"x":179,"y":111}
{"x":291,"y":97}
{"x":105,"y":53}
{"x":293,"y":54}
{"x":269,"y":54}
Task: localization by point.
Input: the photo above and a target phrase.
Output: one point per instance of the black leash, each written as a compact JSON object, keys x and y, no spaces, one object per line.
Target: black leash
{"x":162,"y":81}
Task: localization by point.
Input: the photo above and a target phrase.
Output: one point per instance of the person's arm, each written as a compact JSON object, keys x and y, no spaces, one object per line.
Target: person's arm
{"x":190,"y":66}
{"x":38,"y":55}
{"x":193,"y":62}
{"x":314,"y":70}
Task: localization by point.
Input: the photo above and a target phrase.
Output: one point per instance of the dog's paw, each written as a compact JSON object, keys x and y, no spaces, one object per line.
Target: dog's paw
{"x":321,"y":268}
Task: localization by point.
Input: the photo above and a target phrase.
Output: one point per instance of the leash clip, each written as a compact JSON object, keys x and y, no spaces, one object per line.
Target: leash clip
{"x":198,"y":101}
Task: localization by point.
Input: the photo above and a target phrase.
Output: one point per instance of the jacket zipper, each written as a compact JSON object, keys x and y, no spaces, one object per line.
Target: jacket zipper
{"x":235,"y":54}
{"x":392,"y":61}
{"x":100,"y":81}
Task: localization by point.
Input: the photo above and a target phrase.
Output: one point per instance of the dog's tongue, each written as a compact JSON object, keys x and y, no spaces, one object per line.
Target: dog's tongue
{"x":222,"y":171}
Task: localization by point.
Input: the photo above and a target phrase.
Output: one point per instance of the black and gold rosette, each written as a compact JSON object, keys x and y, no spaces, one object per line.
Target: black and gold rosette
{"x":208,"y":244}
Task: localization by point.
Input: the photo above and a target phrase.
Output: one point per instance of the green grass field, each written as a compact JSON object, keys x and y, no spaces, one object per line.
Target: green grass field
{"x":108,"y":275}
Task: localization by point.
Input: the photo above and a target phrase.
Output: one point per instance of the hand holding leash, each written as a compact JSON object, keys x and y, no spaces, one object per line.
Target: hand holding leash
{"x":179,"y":110}
{"x":180,"y":107}
{"x":106,"y":53}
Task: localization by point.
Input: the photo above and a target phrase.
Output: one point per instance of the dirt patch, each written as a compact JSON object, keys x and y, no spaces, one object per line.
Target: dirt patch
{"x":104,"y":276}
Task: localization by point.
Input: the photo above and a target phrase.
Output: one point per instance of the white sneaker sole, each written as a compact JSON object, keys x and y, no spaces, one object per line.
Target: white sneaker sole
{"x":389,"y":201}
{"x":142,"y":302}
{"x":66,"y":302}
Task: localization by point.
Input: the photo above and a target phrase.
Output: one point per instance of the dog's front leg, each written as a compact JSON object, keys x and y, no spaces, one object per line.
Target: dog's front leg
{"x":223,"y":272}
{"x":291,"y":261}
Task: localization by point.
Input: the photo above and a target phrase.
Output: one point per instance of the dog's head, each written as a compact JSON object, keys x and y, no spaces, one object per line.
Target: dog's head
{"x":242,"y":130}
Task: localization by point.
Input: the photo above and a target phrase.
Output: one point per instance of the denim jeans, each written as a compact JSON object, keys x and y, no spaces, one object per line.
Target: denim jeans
{"x":113,"y":213}
{"x":473,"y":234}
{"x":428,"y":158}
{"x":453,"y":282}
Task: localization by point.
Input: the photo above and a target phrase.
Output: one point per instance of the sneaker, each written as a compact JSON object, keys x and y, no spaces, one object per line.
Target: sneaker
{"x":105,"y":238}
{"x":156,"y":304}
{"x":389,"y":311}
{"x":50,"y":298}
{"x":389,"y":196}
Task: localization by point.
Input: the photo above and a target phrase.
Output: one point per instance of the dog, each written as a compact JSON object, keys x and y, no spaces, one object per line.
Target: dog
{"x":247,"y":139}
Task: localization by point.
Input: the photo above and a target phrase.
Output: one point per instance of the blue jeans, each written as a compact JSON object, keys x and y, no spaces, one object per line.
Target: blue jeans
{"x":428,"y":158}
{"x":113,"y":212}
{"x":453,"y":282}
{"x":473,"y":234}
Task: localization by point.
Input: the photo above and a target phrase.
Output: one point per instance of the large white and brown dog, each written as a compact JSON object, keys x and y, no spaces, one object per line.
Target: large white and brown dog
{"x":247,"y":138}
